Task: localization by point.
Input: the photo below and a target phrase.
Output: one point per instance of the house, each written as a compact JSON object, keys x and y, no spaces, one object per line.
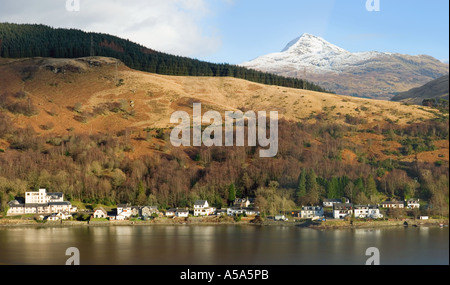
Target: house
{"x":413,"y":204}
{"x":280,"y":218}
{"x":342,"y":210}
{"x":124,"y":210}
{"x":147,"y":211}
{"x":236,"y":211}
{"x":393,"y":205}
{"x":367,"y":211}
{"x":251,"y":211}
{"x":100,"y":213}
{"x":182,"y":213}
{"x":242,"y":202}
{"x":331,"y":202}
{"x":171,"y":212}
{"x":135,"y":210}
{"x":201,"y":208}
{"x":60,"y":216}
{"x":424,"y":218}
{"x":311,"y":212}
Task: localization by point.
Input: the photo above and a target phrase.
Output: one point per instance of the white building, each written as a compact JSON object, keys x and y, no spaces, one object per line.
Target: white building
{"x":100,"y":213}
{"x":311,"y":212}
{"x":41,"y":202}
{"x":393,"y":205}
{"x":42,"y":197}
{"x":342,"y":210}
{"x":60,"y":216}
{"x":202,"y":208}
{"x":367,"y":211}
{"x":182,"y":213}
{"x":236,"y":211}
{"x":171,"y":212}
{"x":413,"y":204}
{"x":242,"y":202}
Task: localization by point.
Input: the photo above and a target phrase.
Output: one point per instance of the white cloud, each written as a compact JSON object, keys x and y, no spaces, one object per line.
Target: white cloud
{"x":173,"y":26}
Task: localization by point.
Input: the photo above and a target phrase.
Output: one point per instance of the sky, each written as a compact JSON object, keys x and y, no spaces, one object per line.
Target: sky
{"x":235,"y":31}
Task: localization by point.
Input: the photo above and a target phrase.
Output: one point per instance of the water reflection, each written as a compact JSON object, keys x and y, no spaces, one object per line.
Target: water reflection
{"x":209,"y":245}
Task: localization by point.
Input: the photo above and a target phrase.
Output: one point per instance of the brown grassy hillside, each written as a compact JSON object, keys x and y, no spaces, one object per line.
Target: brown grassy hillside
{"x":101,"y":95}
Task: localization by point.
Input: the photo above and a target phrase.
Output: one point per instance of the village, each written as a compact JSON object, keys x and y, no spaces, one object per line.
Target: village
{"x":50,"y":206}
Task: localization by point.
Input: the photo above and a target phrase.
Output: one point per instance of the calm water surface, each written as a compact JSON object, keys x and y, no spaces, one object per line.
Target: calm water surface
{"x":222,"y":245}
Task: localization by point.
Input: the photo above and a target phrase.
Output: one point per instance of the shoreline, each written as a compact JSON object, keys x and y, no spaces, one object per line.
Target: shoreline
{"x":211,"y":221}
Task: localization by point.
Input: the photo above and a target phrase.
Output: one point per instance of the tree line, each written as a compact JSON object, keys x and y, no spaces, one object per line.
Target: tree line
{"x":24,"y":40}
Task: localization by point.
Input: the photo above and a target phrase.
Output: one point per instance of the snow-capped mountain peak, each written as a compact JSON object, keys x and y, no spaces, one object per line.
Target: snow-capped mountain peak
{"x":370,"y":74}
{"x":310,"y":44}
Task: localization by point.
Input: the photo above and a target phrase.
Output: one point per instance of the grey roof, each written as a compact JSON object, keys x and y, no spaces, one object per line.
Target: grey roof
{"x":57,"y":194}
{"x":366,"y":206}
{"x":343,"y":206}
{"x":59,"y":203}
{"x":101,"y":209}
{"x":199,"y":202}
{"x":310,"y":208}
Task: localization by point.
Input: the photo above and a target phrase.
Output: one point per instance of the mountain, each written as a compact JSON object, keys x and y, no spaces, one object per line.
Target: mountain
{"x":435,"y":90}
{"x":24,"y":40}
{"x":378,"y":75}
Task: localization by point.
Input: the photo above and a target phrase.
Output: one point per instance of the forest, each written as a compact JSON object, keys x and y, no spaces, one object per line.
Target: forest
{"x":24,"y":41}
{"x":308,"y":168}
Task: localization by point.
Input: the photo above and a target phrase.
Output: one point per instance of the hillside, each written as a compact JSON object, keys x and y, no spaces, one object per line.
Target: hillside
{"x":373,"y":74}
{"x":24,"y":40}
{"x":97,"y":131}
{"x":435,"y":90}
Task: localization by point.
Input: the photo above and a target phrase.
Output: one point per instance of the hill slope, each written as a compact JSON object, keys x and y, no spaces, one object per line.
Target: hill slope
{"x":436,"y":89}
{"x":365,"y":74}
{"x":21,"y":41}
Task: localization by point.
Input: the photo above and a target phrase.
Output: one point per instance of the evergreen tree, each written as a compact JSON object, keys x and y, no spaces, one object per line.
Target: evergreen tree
{"x":301,"y":188}
{"x":231,"y":194}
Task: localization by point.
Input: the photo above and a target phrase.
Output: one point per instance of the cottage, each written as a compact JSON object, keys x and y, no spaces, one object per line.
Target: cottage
{"x":280,"y":218}
{"x":124,"y":210}
{"x":60,"y":216}
{"x":147,"y":211}
{"x":413,"y":204}
{"x":182,"y":213}
{"x":171,"y":212}
{"x":100,"y":213}
{"x":242,"y":203}
{"x":367,"y":211}
{"x":393,"y":205}
{"x":342,"y":210}
{"x":311,"y":212}
{"x":201,"y":208}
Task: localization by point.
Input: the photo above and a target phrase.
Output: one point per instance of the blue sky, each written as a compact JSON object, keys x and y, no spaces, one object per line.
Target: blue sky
{"x":250,"y":28}
{"x":235,"y":31}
